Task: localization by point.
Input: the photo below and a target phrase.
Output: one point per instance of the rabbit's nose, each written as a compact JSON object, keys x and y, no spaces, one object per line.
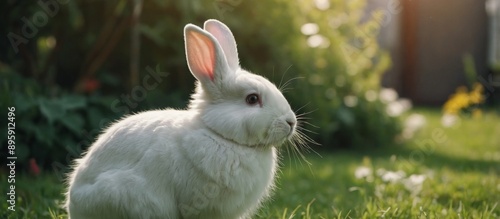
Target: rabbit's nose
{"x":291,"y":123}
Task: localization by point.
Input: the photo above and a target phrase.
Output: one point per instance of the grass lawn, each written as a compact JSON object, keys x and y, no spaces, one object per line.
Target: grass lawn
{"x":442,"y":173}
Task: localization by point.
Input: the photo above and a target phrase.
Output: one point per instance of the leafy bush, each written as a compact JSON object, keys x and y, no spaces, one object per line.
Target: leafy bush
{"x":52,"y":126}
{"x":336,"y":54}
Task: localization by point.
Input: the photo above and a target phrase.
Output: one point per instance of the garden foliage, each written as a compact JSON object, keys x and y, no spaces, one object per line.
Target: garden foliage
{"x":64,"y":78}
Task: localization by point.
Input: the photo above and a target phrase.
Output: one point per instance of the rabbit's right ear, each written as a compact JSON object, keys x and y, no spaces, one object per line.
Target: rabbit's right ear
{"x":226,"y":39}
{"x":205,"y":57}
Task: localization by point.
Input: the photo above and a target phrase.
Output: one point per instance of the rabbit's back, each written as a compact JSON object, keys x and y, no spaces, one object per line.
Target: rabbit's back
{"x":128,"y":167}
{"x":127,"y":142}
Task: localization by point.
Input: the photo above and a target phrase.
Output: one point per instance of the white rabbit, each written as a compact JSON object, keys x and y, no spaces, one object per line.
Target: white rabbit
{"x":217,"y":159}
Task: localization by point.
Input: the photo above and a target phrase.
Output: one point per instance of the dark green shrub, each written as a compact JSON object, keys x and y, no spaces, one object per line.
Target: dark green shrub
{"x":340,"y":67}
{"x":52,"y":126}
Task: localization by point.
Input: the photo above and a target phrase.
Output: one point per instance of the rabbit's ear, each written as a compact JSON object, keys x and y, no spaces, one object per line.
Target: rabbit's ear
{"x":226,"y":39}
{"x":205,"y":57}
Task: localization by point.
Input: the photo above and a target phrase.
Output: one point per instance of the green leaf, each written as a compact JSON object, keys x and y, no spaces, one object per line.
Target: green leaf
{"x":94,"y":116}
{"x":70,"y":102}
{"x":153,"y":33}
{"x":45,"y":133}
{"x":51,"y":110}
{"x":346,"y":116}
{"x":102,"y":100}
{"x":109,"y":79}
{"x":22,"y":151}
{"x":23,"y":102}
{"x":74,"y":122}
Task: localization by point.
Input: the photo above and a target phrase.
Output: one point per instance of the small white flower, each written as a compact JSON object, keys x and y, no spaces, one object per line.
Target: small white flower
{"x":318,"y":40}
{"x":414,"y":183}
{"x":392,"y":177}
{"x":322,"y":4}
{"x":396,"y":108}
{"x":449,"y":120}
{"x":381,"y":171}
{"x":309,"y":29}
{"x":412,"y":124}
{"x":388,"y":95}
{"x":415,"y":121}
{"x":351,"y":100}
{"x":370,"y":95}
{"x":416,"y":179}
{"x":363,"y":172}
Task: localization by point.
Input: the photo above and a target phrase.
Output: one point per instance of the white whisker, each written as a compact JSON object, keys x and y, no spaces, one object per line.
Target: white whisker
{"x":308,"y":123}
{"x":283,"y":88}
{"x":302,"y":107}
{"x":282,"y":76}
{"x":307,"y":130}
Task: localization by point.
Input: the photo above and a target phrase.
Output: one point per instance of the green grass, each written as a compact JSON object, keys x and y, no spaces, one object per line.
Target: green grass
{"x":461,"y":166}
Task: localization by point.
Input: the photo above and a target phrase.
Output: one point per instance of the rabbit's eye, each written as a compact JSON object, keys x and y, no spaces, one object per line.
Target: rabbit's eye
{"x":253,"y":99}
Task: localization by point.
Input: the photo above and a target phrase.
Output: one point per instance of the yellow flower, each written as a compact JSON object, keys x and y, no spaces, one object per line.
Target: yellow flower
{"x":476,"y":95}
{"x":461,"y":89}
{"x":462,"y":99}
{"x":457,"y":102}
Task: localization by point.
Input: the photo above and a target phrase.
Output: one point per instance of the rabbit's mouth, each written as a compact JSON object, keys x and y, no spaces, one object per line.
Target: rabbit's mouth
{"x":228,"y":140}
{"x":290,"y":134}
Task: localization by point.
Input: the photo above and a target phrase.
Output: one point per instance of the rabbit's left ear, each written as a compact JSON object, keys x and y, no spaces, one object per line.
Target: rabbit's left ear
{"x":205,"y":57}
{"x":226,"y":40}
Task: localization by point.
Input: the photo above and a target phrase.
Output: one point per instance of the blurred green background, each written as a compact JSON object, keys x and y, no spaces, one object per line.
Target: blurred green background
{"x":403,"y":92}
{"x":72,"y":67}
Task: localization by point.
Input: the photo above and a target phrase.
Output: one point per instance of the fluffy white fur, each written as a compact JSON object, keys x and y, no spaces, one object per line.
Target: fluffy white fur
{"x":217,"y":159}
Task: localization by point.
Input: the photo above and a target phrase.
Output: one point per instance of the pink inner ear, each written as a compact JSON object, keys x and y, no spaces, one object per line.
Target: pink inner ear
{"x":226,"y":41}
{"x":201,"y":55}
